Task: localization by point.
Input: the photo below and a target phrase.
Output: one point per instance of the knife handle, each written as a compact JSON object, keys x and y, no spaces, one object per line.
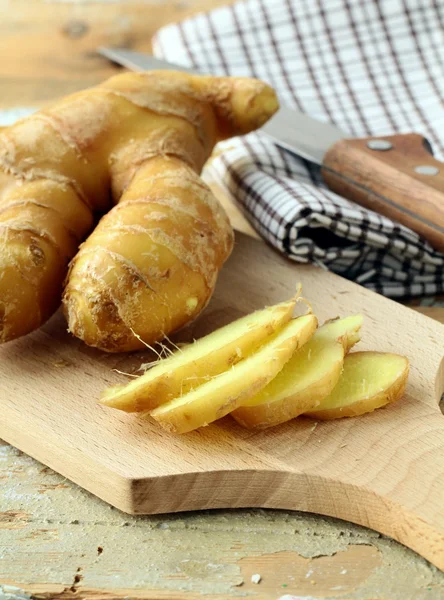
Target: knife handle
{"x":395,"y":176}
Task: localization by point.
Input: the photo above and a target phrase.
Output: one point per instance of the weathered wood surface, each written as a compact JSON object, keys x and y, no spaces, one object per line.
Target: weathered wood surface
{"x":58,"y":541}
{"x":50,"y":46}
{"x":51,"y":530}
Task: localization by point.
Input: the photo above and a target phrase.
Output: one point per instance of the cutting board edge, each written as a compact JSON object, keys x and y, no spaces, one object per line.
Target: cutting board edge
{"x":88,"y":449}
{"x":295,"y":491}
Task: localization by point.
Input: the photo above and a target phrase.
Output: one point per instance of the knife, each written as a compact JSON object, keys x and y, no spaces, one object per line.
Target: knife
{"x":394,"y":175}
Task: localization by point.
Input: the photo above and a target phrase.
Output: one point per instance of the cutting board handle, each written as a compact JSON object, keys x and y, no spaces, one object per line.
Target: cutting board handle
{"x":384,"y":470}
{"x":396,"y":489}
{"x":395,"y":176}
{"x":411,"y":508}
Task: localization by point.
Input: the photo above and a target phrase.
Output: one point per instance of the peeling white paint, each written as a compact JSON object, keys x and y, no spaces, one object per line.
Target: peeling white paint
{"x":147,"y":551}
{"x":11,"y":592}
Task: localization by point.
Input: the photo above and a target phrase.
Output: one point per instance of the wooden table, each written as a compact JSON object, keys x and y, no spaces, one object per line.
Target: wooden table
{"x":56,"y":540}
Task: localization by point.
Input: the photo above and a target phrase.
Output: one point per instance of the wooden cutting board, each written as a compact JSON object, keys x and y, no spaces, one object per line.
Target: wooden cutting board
{"x":384,"y":470}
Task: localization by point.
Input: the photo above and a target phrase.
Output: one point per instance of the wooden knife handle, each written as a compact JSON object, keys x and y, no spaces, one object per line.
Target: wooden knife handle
{"x":395,"y":176}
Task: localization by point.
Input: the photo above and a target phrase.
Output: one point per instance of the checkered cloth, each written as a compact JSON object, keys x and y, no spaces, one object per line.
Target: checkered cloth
{"x":371,"y":68}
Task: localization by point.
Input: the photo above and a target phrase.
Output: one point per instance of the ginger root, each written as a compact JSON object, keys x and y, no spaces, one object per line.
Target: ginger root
{"x":265,"y":369}
{"x":138,"y":141}
{"x":225,"y":392}
{"x":309,"y":376}
{"x":370,"y":380}
{"x":199,"y":362}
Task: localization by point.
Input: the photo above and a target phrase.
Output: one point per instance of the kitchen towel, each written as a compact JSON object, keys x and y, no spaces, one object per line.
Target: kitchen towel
{"x":371,"y":67}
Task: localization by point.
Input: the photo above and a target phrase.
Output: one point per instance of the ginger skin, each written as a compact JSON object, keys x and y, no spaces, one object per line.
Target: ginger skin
{"x":132,"y":149}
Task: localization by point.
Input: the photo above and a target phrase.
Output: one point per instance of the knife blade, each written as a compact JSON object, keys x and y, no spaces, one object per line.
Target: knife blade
{"x":394,"y":175}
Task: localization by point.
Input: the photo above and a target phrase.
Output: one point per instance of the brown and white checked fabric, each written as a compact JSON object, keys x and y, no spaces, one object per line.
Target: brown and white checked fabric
{"x":372,"y":67}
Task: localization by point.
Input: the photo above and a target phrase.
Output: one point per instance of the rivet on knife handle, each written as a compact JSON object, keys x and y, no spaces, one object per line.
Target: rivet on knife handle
{"x":396,"y":176}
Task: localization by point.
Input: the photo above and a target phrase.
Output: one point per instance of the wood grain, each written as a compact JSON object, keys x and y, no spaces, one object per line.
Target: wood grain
{"x":49,"y":525}
{"x":386,"y":182}
{"x":385,"y":470}
{"x":434,"y":312}
{"x":53,"y":530}
{"x":51,"y":46}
